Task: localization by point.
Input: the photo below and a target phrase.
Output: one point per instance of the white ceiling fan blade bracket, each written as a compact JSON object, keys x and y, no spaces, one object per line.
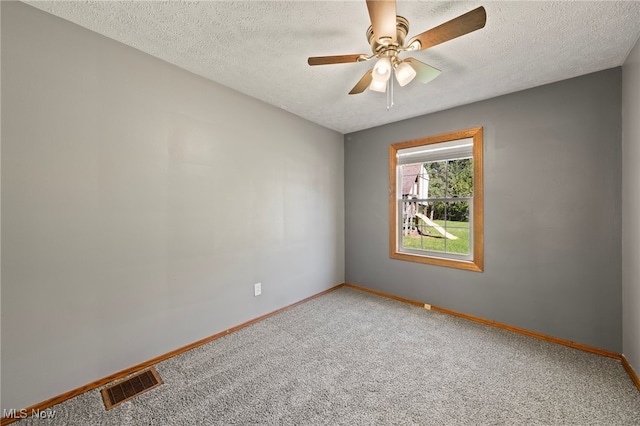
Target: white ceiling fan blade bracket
{"x":413,"y":45}
{"x":365,"y":58}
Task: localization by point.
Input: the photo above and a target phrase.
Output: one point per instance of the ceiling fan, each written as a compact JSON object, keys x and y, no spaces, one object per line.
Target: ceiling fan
{"x":386,"y":36}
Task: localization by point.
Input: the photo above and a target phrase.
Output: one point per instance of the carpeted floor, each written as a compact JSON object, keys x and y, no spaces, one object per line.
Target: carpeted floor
{"x":352,"y":358}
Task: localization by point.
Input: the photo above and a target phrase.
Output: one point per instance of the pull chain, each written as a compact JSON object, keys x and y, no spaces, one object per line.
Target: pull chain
{"x":390,"y":90}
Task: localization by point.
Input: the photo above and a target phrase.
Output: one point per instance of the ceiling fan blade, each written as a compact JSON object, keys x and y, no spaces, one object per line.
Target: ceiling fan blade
{"x":424,"y":73}
{"x":328,"y":60}
{"x":362,"y":85}
{"x":456,"y":27}
{"x":383,"y":19}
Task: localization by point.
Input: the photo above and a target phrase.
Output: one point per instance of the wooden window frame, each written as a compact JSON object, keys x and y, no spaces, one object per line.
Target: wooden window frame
{"x":477,"y":261}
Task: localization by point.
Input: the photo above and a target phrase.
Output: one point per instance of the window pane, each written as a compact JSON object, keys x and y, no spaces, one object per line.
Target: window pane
{"x":421,"y":230}
{"x":436,"y":211}
{"x":409,"y":210}
{"x":410,"y":173}
{"x":456,"y":226}
{"x":460,"y":178}
{"x":423,"y":182}
{"x":458,"y":213}
{"x":411,"y":225}
{"x":437,"y":173}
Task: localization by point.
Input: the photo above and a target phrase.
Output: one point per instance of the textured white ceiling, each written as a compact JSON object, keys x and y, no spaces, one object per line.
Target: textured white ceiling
{"x":260,"y":48}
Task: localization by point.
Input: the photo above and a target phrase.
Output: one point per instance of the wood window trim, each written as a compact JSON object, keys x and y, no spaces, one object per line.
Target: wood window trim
{"x":475,"y":264}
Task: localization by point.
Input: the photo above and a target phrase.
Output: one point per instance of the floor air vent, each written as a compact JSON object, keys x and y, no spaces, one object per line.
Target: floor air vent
{"x":135,"y":385}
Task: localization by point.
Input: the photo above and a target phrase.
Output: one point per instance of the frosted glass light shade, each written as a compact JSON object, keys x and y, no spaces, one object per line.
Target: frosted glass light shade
{"x":382,"y":70}
{"x":404,"y":73}
{"x":378,"y":86}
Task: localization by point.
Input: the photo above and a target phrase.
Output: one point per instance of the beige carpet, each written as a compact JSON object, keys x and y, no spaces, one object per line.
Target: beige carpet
{"x":352,"y":358}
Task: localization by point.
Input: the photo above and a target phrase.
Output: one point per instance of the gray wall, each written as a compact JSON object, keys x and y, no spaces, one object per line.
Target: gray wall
{"x":631,"y":208}
{"x":140,"y":203}
{"x":552,"y":211}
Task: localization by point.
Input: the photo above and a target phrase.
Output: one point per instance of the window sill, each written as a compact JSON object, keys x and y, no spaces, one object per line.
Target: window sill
{"x":468,"y":265}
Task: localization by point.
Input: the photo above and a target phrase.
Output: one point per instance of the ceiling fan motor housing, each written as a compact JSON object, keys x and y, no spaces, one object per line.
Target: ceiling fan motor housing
{"x":402,"y":28}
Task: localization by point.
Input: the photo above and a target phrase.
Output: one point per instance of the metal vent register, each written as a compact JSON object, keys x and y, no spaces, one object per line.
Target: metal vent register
{"x":125,"y":390}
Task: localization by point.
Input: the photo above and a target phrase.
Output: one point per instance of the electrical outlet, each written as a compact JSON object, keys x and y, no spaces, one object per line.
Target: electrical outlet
{"x":257,"y":289}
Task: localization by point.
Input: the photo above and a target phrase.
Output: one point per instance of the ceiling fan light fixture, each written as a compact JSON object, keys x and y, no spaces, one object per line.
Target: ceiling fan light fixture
{"x":382,"y":70}
{"x":386,"y":36}
{"x":405,"y":73}
{"x":378,"y":86}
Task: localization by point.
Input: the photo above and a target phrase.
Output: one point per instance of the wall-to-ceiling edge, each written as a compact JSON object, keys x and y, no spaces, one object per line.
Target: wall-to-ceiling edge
{"x":140,"y":203}
{"x":631,"y":209}
{"x":552,"y":204}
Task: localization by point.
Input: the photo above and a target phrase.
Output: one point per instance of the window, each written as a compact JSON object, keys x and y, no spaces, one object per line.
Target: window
{"x":435,"y":201}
